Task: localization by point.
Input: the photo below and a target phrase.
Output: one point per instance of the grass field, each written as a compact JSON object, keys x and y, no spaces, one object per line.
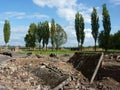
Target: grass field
{"x":66,"y":51}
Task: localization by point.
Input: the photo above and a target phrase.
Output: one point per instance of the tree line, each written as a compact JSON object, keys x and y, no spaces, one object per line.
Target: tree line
{"x":42,"y":33}
{"x":103,"y":36}
{"x":113,"y":42}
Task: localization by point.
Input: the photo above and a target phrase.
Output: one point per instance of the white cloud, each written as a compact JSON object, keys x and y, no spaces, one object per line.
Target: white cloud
{"x":21,"y":15}
{"x":66,"y":9}
{"x":116,"y":2}
{"x":66,"y":13}
{"x":72,"y":41}
{"x":18,"y":38}
{"x":89,"y":41}
{"x":36,"y":15}
{"x":88,"y":33}
{"x":55,"y":3}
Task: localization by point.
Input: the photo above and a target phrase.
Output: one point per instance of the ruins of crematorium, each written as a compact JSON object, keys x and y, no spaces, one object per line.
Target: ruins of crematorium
{"x":78,"y":71}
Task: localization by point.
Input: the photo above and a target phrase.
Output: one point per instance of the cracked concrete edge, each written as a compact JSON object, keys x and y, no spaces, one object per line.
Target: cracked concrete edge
{"x":62,"y":84}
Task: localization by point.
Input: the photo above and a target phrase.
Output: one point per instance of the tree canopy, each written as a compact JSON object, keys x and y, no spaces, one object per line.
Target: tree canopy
{"x":95,"y":25}
{"x":106,"y":26}
{"x":60,"y":36}
{"x":79,"y":28}
{"x":6,"y":31}
{"x":52,"y":33}
{"x":30,"y":38}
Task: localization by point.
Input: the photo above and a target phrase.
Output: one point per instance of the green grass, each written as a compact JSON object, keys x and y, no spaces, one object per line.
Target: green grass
{"x":112,"y":50}
{"x":48,"y":51}
{"x":65,"y":51}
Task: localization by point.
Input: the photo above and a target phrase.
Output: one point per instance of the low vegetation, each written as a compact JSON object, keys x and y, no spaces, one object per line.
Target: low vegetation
{"x":49,"y":51}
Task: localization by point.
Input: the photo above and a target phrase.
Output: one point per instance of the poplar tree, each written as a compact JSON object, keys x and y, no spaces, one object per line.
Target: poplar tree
{"x":30,"y":38}
{"x":52,"y":33}
{"x":79,"y":28}
{"x":39,"y":33}
{"x":95,"y":25}
{"x":106,"y":26}
{"x":60,"y":37}
{"x":6,"y":31}
{"x":46,"y":34}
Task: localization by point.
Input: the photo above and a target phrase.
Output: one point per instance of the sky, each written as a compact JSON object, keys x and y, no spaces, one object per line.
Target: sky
{"x":21,"y":13}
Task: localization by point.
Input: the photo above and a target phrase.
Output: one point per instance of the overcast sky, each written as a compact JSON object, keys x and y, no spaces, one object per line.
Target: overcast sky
{"x":21,"y":13}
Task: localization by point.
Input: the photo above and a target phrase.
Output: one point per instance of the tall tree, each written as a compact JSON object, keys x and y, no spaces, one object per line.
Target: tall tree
{"x":30,"y":38}
{"x":95,"y":25}
{"x":60,"y":37}
{"x":112,"y":41}
{"x":52,"y":33}
{"x":6,"y":31}
{"x":77,"y":17}
{"x":116,"y":40}
{"x":101,"y":40}
{"x":79,"y":28}
{"x":106,"y":26}
{"x":39,"y":33}
{"x":47,"y":33}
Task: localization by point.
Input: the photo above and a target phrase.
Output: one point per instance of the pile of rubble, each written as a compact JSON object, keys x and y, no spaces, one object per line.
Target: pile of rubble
{"x":45,"y":73}
{"x":52,"y":72}
{"x":106,"y":73}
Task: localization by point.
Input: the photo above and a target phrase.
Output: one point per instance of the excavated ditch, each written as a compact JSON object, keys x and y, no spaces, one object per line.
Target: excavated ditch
{"x":85,"y":62}
{"x":107,"y":75}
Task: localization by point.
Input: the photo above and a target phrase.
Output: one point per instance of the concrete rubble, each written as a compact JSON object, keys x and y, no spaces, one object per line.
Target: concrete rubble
{"x":43,"y":72}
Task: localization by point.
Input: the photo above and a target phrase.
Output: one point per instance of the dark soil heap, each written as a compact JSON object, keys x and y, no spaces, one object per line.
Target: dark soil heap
{"x":85,"y":62}
{"x":108,"y":75}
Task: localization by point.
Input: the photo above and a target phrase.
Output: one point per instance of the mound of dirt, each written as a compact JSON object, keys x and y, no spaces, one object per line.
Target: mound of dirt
{"x":85,"y":62}
{"x":41,"y":73}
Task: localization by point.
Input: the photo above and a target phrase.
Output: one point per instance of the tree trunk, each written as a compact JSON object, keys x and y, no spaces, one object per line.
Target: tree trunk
{"x":52,"y":47}
{"x":39,"y":46}
{"x":106,"y":47}
{"x":6,"y":46}
{"x":46,"y":47}
{"x":78,"y":44}
{"x":81,"y":47}
{"x":95,"y":46}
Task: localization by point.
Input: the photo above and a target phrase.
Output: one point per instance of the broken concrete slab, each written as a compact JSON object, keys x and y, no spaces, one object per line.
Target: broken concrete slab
{"x":51,"y":76}
{"x":7,"y":53}
{"x":4,"y":58}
